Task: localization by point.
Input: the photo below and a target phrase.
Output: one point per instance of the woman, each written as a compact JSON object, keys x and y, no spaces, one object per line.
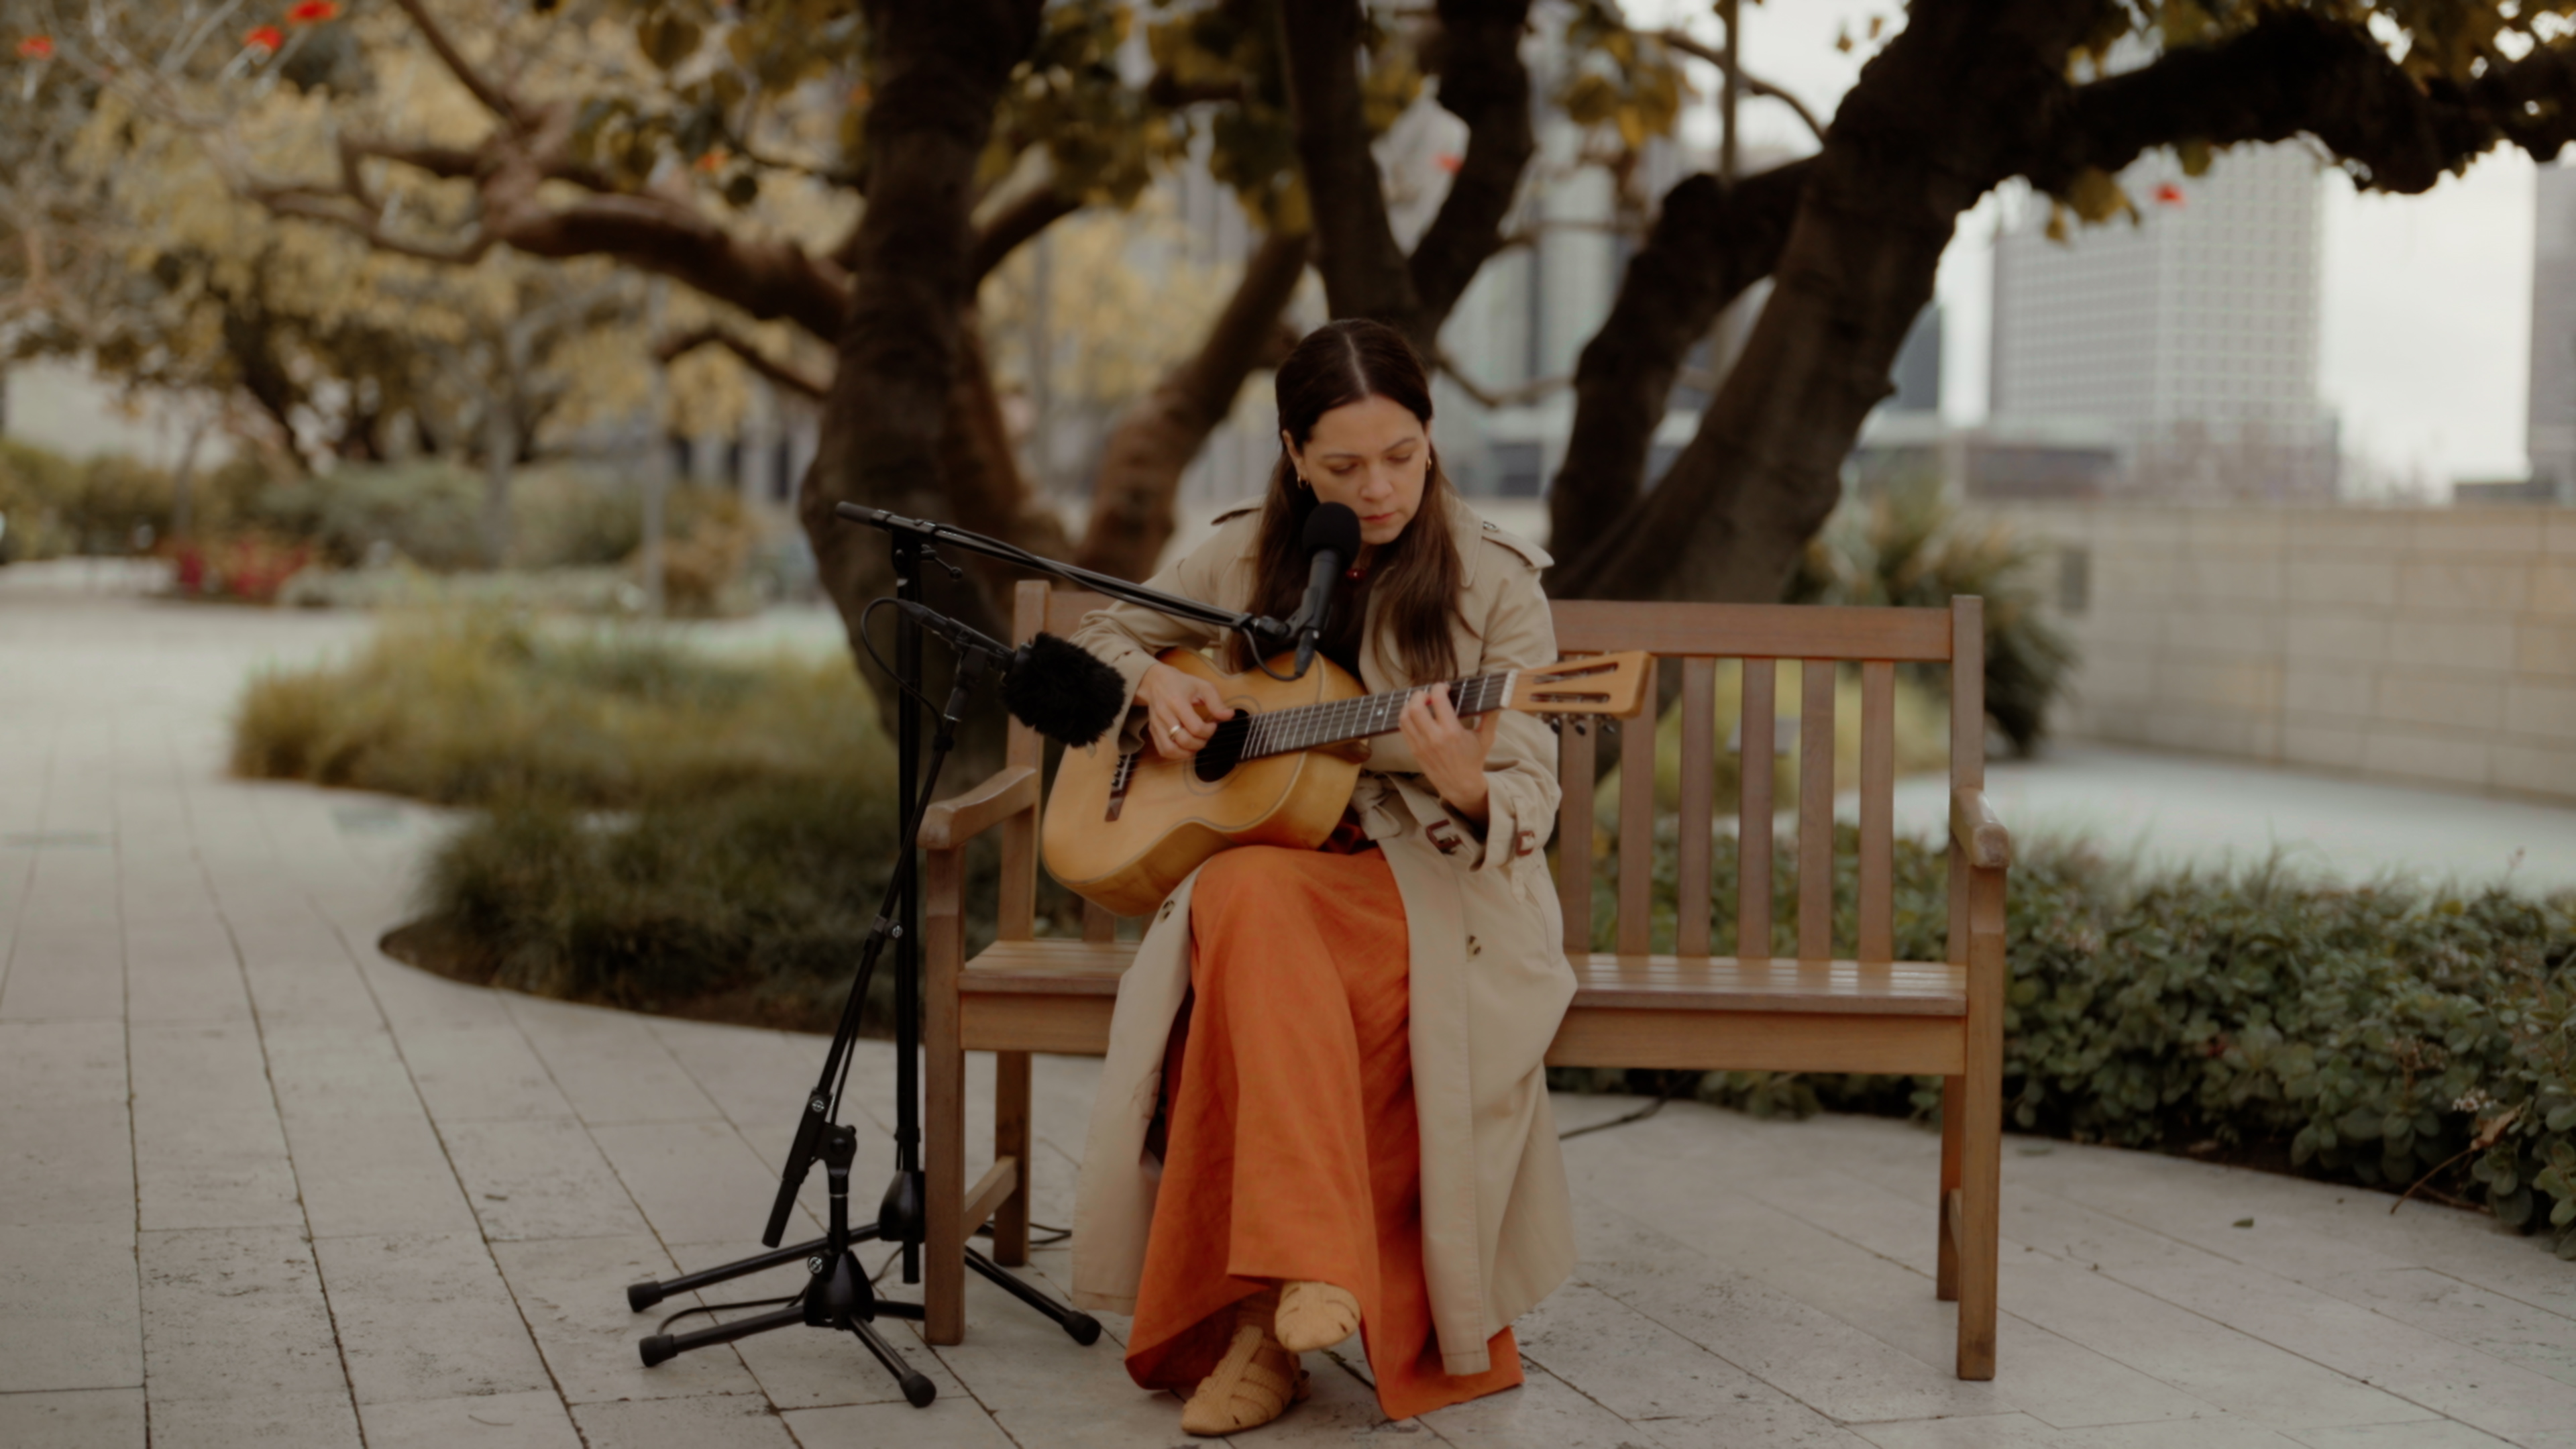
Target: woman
{"x":1324,"y":1107}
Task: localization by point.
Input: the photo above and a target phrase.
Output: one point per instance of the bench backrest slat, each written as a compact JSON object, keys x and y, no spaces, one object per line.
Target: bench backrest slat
{"x":1637,"y":822}
{"x":1574,"y":832}
{"x":1691,"y":638}
{"x":1877,"y":812}
{"x":1816,"y":812}
{"x":1699,"y":791}
{"x":1967,"y":745}
{"x":1757,"y":752}
{"x":1099,"y":927}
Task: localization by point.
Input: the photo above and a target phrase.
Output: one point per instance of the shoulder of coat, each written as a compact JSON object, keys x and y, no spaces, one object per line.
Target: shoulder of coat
{"x":1512,"y":543}
{"x":1240,"y":510}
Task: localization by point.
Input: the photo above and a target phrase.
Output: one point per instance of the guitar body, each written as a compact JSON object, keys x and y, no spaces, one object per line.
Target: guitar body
{"x":1122,"y":830}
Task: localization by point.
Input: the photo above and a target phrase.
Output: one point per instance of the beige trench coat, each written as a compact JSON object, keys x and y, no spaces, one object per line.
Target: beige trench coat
{"x":1489,"y":976}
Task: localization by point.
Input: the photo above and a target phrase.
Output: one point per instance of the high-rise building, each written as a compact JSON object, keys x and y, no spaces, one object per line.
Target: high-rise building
{"x":2552,"y":426}
{"x":2187,"y":338}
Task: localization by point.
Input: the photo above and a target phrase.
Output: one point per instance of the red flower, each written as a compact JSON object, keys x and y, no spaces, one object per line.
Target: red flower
{"x":264,"y":38}
{"x":35,"y":47}
{"x":2168,"y":194}
{"x":1448,"y":162}
{"x":313,"y":12}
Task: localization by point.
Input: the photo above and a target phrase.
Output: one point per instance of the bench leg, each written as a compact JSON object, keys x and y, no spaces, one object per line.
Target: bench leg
{"x":1981,"y":1144}
{"x":943,"y":1117}
{"x":1954,"y":1117}
{"x":1011,"y":1139}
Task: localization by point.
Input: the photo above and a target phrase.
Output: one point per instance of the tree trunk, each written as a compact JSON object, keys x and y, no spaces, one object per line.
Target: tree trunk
{"x":1142,"y":462}
{"x":1914,"y":145}
{"x":1710,"y":242}
{"x":1482,"y":82}
{"x":1365,"y":274}
{"x":940,"y":66}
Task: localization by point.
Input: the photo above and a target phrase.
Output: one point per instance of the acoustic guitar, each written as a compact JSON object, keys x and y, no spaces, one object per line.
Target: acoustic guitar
{"x":1123,"y":828}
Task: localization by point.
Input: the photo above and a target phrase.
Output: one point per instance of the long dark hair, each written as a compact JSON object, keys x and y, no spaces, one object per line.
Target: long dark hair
{"x":1417,"y":577}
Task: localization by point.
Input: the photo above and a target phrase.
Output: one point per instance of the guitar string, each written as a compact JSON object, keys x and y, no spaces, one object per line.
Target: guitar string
{"x":1306,"y":726}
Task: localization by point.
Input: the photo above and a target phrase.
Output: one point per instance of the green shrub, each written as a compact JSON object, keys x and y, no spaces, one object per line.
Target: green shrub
{"x":56,"y":505}
{"x":747,"y":904}
{"x":2379,"y":1034}
{"x":429,"y":512}
{"x":657,"y":829}
{"x":479,"y":708}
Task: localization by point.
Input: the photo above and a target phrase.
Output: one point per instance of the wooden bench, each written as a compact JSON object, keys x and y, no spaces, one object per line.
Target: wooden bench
{"x":1814,"y":1012}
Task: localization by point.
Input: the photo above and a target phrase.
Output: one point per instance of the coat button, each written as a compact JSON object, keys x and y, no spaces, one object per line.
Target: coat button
{"x":1165,"y":913}
{"x":1474,"y":949}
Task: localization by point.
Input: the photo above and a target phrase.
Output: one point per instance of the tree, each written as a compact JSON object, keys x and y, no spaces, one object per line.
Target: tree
{"x":851,"y":171}
{"x":1969,"y":95}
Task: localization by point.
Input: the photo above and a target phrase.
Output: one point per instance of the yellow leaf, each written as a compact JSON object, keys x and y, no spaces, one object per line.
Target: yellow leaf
{"x":2096,"y":197}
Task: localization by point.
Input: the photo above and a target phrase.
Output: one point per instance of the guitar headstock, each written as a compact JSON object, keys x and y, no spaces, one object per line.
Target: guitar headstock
{"x":1607,"y":684}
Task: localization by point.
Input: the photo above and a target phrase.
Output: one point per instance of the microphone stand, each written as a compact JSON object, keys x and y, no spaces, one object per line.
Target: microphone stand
{"x":838,"y":1295}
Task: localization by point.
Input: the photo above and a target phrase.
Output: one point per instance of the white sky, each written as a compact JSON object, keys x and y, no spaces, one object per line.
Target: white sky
{"x":2426,"y":306}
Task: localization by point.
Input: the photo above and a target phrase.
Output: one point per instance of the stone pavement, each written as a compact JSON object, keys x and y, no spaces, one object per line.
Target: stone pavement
{"x":261,"y":1185}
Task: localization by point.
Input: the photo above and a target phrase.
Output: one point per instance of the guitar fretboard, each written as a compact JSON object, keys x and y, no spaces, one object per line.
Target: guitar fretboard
{"x":1279,"y":732}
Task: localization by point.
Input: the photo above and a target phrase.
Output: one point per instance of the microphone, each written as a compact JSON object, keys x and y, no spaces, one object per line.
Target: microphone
{"x":1055,"y":687}
{"x":1333,"y":539}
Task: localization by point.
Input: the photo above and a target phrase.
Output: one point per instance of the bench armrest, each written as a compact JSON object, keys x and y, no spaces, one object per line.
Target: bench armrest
{"x":1975,"y":829}
{"x":960,"y":818}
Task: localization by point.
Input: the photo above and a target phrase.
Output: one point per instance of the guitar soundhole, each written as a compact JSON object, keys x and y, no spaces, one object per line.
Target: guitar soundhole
{"x":1224,"y":751}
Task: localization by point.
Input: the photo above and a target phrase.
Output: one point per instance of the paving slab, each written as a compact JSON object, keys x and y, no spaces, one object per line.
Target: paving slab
{"x":533,"y":1180}
{"x":571,"y":1292}
{"x":70,"y":1314}
{"x":82,"y":1419}
{"x":426,"y":1317}
{"x":244,"y":1421}
{"x":532,"y":1420}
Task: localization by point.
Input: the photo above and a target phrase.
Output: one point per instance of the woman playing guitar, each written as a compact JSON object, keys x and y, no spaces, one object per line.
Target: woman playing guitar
{"x":1324,"y":1108}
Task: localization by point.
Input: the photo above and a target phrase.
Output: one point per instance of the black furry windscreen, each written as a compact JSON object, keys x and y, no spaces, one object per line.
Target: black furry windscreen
{"x":1063,"y":691}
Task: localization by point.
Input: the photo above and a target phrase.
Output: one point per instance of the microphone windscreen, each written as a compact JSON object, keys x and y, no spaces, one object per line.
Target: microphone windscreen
{"x":1064,"y":692}
{"x":1333,"y":526}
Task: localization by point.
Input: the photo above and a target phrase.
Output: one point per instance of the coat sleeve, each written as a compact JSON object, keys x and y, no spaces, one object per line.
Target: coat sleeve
{"x":1129,"y":637}
{"x":1520,"y":771}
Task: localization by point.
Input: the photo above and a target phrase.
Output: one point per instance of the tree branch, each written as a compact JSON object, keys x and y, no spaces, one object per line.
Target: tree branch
{"x":1753,"y":85}
{"x":2291,"y":73}
{"x":1015,"y":223}
{"x":312,"y":205}
{"x":1365,"y":272}
{"x":451,"y":163}
{"x":1499,"y":397}
{"x":715,"y":335}
{"x":495,"y":99}
{"x":1483,"y":83}
{"x":1153,"y":442}
{"x":1707,"y":246}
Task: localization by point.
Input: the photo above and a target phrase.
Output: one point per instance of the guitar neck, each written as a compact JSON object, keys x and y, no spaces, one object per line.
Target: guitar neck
{"x":1313,"y":726}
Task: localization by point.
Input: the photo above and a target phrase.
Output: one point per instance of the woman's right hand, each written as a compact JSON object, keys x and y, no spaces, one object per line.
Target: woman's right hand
{"x":1182,"y":710}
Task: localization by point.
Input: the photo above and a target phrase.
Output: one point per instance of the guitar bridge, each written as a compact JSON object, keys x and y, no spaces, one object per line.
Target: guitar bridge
{"x":1118,"y":784}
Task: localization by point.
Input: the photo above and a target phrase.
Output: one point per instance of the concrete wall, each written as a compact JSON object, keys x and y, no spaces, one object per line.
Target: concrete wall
{"x":2432,"y":645}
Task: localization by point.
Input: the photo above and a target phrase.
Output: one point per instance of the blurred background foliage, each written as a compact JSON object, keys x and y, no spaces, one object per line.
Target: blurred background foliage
{"x":1906,"y":545}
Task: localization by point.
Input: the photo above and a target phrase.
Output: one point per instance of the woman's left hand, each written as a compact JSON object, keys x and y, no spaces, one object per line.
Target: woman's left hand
{"x":1452,"y":751}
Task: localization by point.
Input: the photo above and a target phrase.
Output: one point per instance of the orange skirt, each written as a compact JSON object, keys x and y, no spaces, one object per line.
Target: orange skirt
{"x":1291,"y":1150}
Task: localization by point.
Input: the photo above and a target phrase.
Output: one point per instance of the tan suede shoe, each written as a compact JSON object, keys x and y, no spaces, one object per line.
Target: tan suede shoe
{"x":1316,"y":1315}
{"x":1254,"y":1383}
